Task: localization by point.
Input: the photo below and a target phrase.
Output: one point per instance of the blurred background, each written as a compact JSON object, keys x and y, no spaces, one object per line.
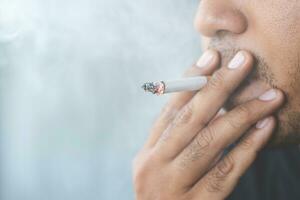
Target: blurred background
{"x":73,"y":114}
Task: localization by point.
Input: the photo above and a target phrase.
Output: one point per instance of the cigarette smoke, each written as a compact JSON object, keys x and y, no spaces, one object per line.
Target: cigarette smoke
{"x":72,"y":111}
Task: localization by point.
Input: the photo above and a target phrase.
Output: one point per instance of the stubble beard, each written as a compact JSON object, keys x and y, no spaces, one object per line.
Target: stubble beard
{"x":287,"y":131}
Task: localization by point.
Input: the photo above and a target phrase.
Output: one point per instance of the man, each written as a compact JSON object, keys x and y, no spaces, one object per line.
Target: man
{"x":254,"y":58}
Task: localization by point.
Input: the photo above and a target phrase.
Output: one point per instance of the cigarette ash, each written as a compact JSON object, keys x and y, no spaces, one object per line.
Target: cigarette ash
{"x":157,"y":88}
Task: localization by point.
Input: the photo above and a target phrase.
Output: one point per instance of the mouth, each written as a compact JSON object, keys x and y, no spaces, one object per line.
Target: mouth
{"x":255,"y":84}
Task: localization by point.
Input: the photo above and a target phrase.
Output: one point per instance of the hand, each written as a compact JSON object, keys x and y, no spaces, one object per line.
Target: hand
{"x":181,"y":158}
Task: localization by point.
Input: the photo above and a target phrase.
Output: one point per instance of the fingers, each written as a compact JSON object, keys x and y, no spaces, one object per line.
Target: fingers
{"x":204,"y":105}
{"x":202,"y":151}
{"x":206,"y":65}
{"x":221,"y":180}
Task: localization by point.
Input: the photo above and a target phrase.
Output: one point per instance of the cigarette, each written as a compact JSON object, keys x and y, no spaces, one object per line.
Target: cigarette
{"x":180,"y":85}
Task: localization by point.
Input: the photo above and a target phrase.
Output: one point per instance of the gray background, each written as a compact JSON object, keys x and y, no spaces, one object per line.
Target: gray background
{"x":73,"y":114}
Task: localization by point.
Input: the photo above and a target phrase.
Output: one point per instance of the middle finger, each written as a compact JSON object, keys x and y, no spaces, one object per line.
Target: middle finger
{"x":195,"y":115}
{"x":213,"y":139}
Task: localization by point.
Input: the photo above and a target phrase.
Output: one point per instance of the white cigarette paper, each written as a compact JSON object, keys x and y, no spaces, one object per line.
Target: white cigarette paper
{"x":184,"y":84}
{"x":187,"y":84}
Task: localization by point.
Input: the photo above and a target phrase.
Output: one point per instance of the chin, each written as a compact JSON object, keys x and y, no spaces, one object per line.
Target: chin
{"x":262,"y":78}
{"x":287,"y":131}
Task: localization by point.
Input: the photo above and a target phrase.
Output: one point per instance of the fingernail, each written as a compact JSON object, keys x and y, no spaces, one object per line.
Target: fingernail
{"x":237,"y":61}
{"x":262,"y":123}
{"x":205,"y":59}
{"x":269,"y":95}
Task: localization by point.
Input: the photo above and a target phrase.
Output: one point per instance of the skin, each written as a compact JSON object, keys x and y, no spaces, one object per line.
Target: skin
{"x":182,"y":156}
{"x":270,"y":30}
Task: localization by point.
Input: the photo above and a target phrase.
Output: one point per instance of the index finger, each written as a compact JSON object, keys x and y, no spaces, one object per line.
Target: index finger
{"x":204,"y":105}
{"x":206,"y":65}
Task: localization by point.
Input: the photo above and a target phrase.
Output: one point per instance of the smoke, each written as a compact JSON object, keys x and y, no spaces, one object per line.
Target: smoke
{"x":72,"y":111}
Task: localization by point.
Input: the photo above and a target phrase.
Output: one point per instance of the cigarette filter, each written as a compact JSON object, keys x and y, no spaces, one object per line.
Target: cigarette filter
{"x":184,"y":84}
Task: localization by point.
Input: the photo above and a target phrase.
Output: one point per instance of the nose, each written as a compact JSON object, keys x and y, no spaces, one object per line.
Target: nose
{"x":214,"y":16}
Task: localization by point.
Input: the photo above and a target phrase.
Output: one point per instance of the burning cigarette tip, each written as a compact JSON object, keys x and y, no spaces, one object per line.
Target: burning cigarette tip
{"x":154,"y":87}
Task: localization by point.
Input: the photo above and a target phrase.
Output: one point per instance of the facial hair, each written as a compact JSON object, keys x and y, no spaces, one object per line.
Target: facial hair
{"x":287,"y":131}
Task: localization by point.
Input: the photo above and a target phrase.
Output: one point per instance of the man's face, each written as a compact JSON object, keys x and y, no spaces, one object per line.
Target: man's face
{"x":270,"y":30}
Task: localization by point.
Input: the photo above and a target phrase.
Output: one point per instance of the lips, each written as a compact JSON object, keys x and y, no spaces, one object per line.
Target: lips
{"x":254,"y":85}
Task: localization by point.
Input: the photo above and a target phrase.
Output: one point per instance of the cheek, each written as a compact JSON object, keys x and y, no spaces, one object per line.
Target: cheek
{"x":277,"y":39}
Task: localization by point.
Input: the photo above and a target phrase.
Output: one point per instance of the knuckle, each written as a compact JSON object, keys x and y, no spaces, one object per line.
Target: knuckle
{"x":217,"y":81}
{"x":243,"y":111}
{"x":205,"y":138}
{"x":216,"y":180}
{"x":197,"y":149}
{"x":246,"y":143}
{"x":201,"y":143}
{"x":185,"y":115}
{"x":233,"y":122}
{"x":239,"y":117}
{"x":224,"y":167}
{"x":213,"y":185}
